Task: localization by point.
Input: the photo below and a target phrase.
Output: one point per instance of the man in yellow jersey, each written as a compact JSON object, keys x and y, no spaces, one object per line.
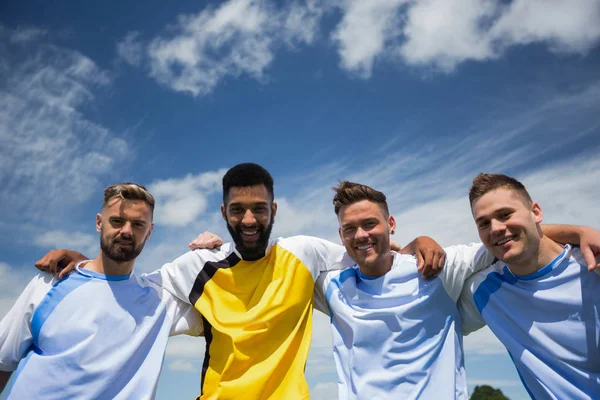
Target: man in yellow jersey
{"x":255,"y":296}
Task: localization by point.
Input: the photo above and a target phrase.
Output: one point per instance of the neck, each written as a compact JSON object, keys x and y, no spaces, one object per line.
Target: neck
{"x":104,"y":265}
{"x":545,"y":253}
{"x":379,"y":268}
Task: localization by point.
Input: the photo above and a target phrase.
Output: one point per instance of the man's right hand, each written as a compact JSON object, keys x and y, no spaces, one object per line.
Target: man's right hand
{"x":59,"y":261}
{"x":206,"y":240}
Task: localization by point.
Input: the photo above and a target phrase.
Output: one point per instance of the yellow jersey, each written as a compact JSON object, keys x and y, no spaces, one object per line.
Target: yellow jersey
{"x":257,"y":315}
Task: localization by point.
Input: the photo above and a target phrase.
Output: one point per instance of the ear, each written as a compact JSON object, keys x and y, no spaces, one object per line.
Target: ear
{"x":223,"y":212}
{"x":391,"y":224}
{"x":150,"y":231}
{"x":340,"y":233}
{"x":273,"y":209}
{"x":98,"y":222}
{"x":537,"y":212}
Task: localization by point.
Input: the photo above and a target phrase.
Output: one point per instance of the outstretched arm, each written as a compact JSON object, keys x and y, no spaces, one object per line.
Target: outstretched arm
{"x":587,"y":238}
{"x":430,"y":255}
{"x":59,"y":261}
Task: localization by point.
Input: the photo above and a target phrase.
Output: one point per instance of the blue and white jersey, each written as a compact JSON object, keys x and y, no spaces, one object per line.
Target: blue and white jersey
{"x":399,"y":336}
{"x":549,"y":322}
{"x":90,"y":336}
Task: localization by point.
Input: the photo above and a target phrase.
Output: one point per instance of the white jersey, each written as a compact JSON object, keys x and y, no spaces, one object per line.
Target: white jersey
{"x":399,"y":336}
{"x":90,"y":336}
{"x":549,"y":322}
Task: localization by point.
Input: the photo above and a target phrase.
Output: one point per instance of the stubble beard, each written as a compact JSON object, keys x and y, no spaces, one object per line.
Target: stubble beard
{"x":116,"y":253}
{"x":258,"y":250}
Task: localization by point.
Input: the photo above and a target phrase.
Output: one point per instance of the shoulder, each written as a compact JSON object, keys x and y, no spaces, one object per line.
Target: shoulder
{"x":308,"y":247}
{"x":493,"y":272}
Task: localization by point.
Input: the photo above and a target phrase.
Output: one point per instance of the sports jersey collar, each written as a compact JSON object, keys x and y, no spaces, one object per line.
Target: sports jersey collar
{"x":269,"y":246}
{"x":543,"y":271}
{"x":97,"y":275}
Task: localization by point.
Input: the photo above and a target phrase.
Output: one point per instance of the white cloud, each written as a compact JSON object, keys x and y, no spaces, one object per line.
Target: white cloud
{"x":365,"y":30}
{"x":180,"y":202}
{"x":82,"y":242}
{"x":52,"y":155}
{"x":230,"y":40}
{"x":445,"y":33}
{"x":186,"y":347}
{"x":12,"y":283}
{"x":322,"y":391}
{"x":130,"y":48}
{"x":237,"y":38}
{"x":482,"y":343}
{"x":22,"y":35}
{"x":182,"y":366}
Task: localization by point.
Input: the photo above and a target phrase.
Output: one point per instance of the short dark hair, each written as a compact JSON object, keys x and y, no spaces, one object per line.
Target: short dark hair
{"x":484,"y":183}
{"x":245,"y":175}
{"x":347,"y":193}
{"x":128,"y":191}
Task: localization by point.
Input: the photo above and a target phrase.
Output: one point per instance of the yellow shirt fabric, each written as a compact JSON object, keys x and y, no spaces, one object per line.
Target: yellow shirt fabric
{"x":257,"y":314}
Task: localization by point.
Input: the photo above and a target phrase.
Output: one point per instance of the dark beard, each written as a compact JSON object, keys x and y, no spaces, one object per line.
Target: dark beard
{"x":117,"y":253}
{"x":258,"y":251}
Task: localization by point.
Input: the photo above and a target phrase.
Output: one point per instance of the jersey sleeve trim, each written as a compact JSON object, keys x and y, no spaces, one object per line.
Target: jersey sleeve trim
{"x":60,"y":290}
{"x":207,"y":272}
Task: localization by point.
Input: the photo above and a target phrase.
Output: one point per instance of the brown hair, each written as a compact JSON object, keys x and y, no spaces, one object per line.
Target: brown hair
{"x":128,"y":191}
{"x":484,"y":183}
{"x":347,"y":193}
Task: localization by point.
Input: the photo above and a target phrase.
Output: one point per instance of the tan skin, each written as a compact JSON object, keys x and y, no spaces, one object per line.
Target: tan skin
{"x":509,"y":226}
{"x":121,"y":218}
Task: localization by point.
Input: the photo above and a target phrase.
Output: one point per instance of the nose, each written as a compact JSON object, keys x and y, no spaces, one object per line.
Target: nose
{"x":249,"y":218}
{"x":361,"y":234}
{"x":497,"y":226}
{"x":127,"y":229}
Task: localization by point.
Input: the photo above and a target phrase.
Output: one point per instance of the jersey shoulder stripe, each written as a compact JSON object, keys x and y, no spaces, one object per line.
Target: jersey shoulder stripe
{"x":59,"y":291}
{"x":209,"y":269}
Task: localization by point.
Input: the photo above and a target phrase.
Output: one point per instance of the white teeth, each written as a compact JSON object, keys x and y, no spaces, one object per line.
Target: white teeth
{"x":249,"y":233}
{"x":365,"y":247}
{"x":505,"y":240}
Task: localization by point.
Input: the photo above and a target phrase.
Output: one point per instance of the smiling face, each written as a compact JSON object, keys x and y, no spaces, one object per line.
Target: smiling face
{"x":124,"y":227}
{"x":365,"y":231}
{"x":508,"y":225}
{"x":250,"y":214}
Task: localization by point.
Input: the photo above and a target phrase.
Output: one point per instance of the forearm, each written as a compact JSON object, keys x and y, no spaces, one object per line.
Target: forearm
{"x":4,"y":377}
{"x":567,"y":234}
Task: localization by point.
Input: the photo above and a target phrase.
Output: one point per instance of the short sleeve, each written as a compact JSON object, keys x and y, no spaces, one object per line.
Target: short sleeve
{"x":462,"y":261}
{"x":320,"y":299}
{"x":187,"y":321}
{"x":178,"y":277}
{"x":318,"y":255}
{"x":15,"y":327}
{"x":472,"y":319}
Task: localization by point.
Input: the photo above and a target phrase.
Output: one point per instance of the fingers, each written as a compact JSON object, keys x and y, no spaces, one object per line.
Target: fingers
{"x":67,"y":270}
{"x":435,"y":265}
{"x":588,"y":255}
{"x":48,"y":263}
{"x":420,"y":261}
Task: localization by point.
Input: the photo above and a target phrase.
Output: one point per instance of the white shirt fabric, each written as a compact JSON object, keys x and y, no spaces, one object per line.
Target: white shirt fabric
{"x":549,"y":322}
{"x":399,"y":336}
{"x":90,"y":336}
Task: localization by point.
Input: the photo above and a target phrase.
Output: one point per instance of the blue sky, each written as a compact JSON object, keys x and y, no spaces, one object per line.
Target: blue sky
{"x":411,"y":97}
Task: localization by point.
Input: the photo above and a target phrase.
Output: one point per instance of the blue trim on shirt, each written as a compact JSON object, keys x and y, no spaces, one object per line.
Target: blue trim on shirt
{"x":338,"y":281}
{"x":542,"y":271}
{"x":97,"y":275}
{"x":60,"y":290}
{"x":521,"y":376}
{"x":490,"y":285}
{"x":20,"y":369}
{"x":494,"y":281}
